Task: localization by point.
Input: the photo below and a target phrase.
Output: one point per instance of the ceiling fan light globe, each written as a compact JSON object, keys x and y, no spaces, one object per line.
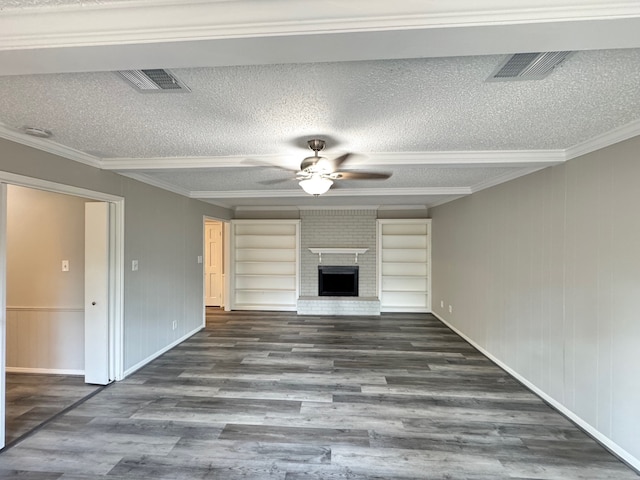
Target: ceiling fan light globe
{"x":316,"y":185}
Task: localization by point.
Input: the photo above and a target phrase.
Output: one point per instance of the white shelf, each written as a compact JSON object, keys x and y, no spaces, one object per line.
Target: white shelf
{"x":351,"y":251}
{"x":337,"y":250}
{"x":265,"y":264}
{"x":404,"y":259}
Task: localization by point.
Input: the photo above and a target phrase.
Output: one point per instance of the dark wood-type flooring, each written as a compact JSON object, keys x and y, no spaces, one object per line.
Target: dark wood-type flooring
{"x":32,"y":399}
{"x":276,"y":396}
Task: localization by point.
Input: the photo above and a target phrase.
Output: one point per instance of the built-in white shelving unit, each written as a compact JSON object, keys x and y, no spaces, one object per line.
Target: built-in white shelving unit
{"x":404,"y":265}
{"x":265,"y":264}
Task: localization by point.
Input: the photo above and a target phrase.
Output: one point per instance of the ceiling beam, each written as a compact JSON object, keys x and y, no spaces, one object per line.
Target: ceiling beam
{"x":171,"y":34}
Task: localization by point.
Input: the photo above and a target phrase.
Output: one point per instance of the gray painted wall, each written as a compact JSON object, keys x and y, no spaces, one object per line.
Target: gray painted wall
{"x":543,"y":272}
{"x":163,"y":231}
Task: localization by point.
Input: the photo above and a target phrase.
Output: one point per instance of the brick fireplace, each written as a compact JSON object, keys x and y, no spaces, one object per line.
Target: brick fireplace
{"x":338,"y":233}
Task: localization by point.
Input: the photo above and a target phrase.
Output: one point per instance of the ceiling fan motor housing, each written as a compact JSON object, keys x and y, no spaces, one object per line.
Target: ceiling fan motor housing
{"x":315,"y":165}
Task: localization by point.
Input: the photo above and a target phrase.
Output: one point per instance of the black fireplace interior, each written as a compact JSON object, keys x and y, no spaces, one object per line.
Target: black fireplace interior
{"x":337,"y":281}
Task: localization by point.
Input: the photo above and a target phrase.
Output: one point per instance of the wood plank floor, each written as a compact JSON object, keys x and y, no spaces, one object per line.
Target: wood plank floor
{"x":276,"y":396}
{"x":32,"y":399}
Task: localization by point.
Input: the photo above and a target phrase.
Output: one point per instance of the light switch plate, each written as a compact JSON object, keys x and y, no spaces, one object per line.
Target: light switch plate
{"x":65,"y":265}
{"x":134,"y":265}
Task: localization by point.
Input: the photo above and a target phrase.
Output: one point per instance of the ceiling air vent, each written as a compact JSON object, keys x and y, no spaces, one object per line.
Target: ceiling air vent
{"x":154,"y":80}
{"x":527,"y":66}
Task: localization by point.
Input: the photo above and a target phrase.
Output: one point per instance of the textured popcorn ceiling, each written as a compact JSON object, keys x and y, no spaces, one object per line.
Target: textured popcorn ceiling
{"x":414,"y":105}
{"x":371,"y":106}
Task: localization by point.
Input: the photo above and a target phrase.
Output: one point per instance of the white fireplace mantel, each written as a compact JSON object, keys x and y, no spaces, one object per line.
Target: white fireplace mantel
{"x":337,"y":250}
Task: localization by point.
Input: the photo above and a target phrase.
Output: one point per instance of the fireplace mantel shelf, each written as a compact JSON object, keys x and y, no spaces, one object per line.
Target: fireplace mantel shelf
{"x":352,"y":251}
{"x":338,"y":250}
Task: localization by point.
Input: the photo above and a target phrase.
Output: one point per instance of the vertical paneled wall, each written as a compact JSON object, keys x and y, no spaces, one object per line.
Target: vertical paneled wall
{"x":543,"y":273}
{"x":338,"y":228}
{"x":164,"y":298}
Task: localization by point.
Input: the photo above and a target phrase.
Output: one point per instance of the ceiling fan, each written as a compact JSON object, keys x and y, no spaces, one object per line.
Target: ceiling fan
{"x":317,"y":174}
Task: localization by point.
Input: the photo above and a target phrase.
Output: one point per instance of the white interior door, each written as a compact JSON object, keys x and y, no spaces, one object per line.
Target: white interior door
{"x":213,"y":264}
{"x":96,"y":293}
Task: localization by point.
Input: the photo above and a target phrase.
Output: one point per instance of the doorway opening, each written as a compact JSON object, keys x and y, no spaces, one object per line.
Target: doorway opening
{"x":216,"y":241}
{"x":46,"y":325}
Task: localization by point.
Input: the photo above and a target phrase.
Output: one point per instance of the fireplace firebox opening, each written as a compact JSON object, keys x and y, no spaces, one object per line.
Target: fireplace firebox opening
{"x":337,"y":281}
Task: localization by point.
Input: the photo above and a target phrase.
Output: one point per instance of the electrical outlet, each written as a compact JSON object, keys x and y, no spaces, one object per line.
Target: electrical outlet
{"x":65,"y":265}
{"x":441,"y":303}
{"x":199,"y":258}
{"x":134,"y":265}
{"x":450,"y":309}
{"x":175,"y":324}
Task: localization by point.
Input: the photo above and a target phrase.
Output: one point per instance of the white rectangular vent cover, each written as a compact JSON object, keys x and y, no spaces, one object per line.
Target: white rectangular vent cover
{"x":527,"y":66}
{"x":154,"y":80}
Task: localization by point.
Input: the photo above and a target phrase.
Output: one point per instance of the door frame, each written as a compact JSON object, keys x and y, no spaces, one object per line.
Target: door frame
{"x":219,"y":251}
{"x":116,"y":274}
{"x":226,"y":263}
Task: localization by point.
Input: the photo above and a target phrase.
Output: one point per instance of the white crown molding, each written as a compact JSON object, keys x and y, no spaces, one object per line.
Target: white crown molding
{"x":298,"y":208}
{"x":262,"y":208}
{"x":374,"y":192}
{"x":607,"y":139}
{"x":172,"y":163}
{"x":403,"y":207}
{"x":445,"y":159}
{"x":49,"y":146}
{"x":212,"y":194}
{"x":108,"y":36}
{"x":145,"y":21}
{"x":455,"y":158}
{"x":342,"y":192}
{"x":372,"y":208}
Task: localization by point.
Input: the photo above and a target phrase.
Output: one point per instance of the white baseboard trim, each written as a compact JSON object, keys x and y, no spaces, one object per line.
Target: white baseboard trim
{"x":605,"y":441}
{"x":264,"y":308}
{"x":404,"y":309}
{"x":46,"y":371}
{"x":150,"y":358}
